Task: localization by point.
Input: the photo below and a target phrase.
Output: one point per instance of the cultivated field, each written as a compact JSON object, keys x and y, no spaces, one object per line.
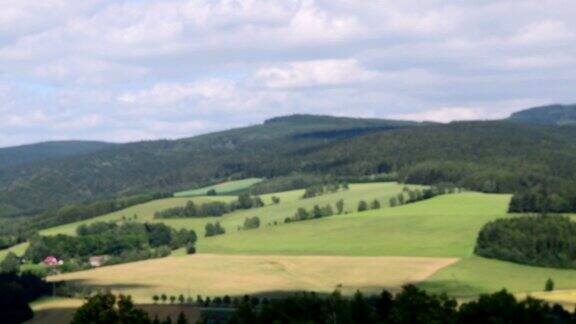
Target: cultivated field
{"x":218,"y":275}
{"x":225,"y":188}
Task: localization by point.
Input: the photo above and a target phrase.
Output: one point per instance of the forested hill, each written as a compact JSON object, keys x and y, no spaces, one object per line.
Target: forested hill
{"x":486,"y":156}
{"x":262,"y":150}
{"x":490,"y":156}
{"x":24,"y":154}
{"x":549,"y":115}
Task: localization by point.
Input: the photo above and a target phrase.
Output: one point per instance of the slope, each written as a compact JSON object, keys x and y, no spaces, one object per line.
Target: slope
{"x":550,"y":115}
{"x":444,"y":226}
{"x":262,"y":150}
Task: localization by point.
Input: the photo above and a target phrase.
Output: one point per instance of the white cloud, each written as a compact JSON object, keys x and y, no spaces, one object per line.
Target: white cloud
{"x":315,"y":73}
{"x":118,"y":69}
{"x":444,"y":114}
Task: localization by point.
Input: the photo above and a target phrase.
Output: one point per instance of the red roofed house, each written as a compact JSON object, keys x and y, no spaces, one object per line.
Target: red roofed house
{"x":51,"y":261}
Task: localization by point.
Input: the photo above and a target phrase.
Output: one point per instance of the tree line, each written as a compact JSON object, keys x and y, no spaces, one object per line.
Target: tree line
{"x":539,"y":240}
{"x":210,"y":209}
{"x":126,"y":242}
{"x":412,"y":305}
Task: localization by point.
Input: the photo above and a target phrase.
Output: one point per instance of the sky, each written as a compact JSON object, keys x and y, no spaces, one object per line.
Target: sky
{"x":136,"y":70}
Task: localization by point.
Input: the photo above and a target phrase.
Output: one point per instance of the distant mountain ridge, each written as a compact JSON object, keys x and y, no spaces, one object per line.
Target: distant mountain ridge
{"x":24,"y":154}
{"x":547,"y":115}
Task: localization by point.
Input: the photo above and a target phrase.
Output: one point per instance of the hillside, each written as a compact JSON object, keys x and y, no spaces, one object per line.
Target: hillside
{"x":25,"y":154}
{"x":486,"y":156}
{"x":165,"y":165}
{"x":549,"y":115}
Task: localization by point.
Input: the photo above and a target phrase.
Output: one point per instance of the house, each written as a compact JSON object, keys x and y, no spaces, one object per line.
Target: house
{"x":52,"y":261}
{"x":98,"y":260}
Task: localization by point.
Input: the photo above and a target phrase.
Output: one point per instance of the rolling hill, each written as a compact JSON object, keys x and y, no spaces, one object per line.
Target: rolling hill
{"x":547,"y":115}
{"x":262,"y":150}
{"x":41,"y":152}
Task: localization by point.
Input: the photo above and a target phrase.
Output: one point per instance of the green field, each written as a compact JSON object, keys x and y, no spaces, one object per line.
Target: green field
{"x":290,"y":201}
{"x":299,"y":255}
{"x":225,"y":188}
{"x":444,"y":226}
{"x":475,"y":275}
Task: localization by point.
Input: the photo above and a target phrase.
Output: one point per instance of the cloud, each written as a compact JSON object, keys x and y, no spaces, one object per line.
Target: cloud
{"x":128,"y":70}
{"x":315,"y":73}
{"x":444,"y":114}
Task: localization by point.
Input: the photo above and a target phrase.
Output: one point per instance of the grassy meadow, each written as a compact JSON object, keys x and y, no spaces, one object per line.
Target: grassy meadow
{"x":445,"y":226}
{"x":290,"y":201}
{"x":225,"y":188}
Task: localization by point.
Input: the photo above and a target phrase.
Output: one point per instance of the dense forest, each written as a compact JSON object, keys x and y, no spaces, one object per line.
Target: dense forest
{"x":542,"y":240}
{"x":495,"y":156}
{"x":164,"y":165}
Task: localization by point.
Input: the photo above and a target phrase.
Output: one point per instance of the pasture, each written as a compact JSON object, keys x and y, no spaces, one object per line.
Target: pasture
{"x":225,"y":188}
{"x":290,"y":201}
{"x":445,"y":226}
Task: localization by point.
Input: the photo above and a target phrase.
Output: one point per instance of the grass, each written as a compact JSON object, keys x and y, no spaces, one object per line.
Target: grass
{"x":290,"y":201}
{"x":225,"y":188}
{"x":444,"y":226}
{"x":19,"y":249}
{"x":475,"y":275}
{"x":218,"y":275}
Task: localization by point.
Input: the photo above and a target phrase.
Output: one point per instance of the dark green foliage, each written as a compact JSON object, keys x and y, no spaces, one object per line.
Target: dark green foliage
{"x":375,"y":204}
{"x":317,"y":212}
{"x":251,"y":223}
{"x":173,"y":165}
{"x":548,"y":241}
{"x":211,"y":192}
{"x":126,"y":242}
{"x":10,"y":264}
{"x":340,"y":206}
{"x":502,"y":307}
{"x":320,"y":189}
{"x":275,"y":200}
{"x":542,"y":200}
{"x":549,"y":285}
{"x":393,"y":202}
{"x":16,"y":291}
{"x":362,"y":206}
{"x":209,"y":209}
{"x":107,"y":309}
{"x":411,"y":306}
{"x":214,"y":229}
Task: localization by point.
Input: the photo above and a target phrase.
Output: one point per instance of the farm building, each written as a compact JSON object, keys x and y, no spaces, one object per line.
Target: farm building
{"x":98,"y":260}
{"x":52,"y":261}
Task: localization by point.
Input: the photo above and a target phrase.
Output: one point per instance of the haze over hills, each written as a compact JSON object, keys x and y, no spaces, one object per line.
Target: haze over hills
{"x":549,"y":115}
{"x":489,"y":156}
